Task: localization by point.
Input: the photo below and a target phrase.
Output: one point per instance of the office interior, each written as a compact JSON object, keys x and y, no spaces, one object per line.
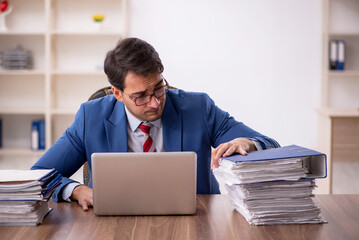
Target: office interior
{"x":265,"y":62}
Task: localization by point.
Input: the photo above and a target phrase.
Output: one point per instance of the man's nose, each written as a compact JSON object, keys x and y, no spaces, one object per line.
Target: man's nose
{"x":154,"y":103}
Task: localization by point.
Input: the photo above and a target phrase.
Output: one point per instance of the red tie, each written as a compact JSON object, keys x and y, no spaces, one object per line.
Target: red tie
{"x":148,"y":145}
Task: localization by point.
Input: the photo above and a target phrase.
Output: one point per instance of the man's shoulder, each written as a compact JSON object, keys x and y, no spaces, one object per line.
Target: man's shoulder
{"x":103,"y":104}
{"x":179,"y":94}
{"x":189,"y":101}
{"x":101,"y":101}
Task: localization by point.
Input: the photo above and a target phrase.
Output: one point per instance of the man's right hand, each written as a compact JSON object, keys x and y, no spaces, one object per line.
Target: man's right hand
{"x":83,"y":195}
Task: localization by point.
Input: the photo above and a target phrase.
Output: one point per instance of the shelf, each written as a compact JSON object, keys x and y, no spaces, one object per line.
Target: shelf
{"x":87,"y":33}
{"x":67,"y":64}
{"x":33,"y":43}
{"x":21,"y":151}
{"x":338,"y":112}
{"x":19,"y":111}
{"x":343,"y":34}
{"x":81,"y":54}
{"x":64,"y":111}
{"x":75,"y":17}
{"x":344,"y":73}
{"x":78,"y":73}
{"x":22,"y":33}
{"x":339,"y":89}
{"x":22,"y":72}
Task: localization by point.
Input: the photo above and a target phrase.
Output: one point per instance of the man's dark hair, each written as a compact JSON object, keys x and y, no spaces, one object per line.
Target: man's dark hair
{"x":131,"y":54}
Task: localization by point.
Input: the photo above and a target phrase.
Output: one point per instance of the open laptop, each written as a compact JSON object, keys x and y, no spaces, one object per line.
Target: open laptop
{"x":161,"y":183}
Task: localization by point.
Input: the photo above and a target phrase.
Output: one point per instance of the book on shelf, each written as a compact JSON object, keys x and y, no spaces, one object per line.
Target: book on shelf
{"x":333,"y":54}
{"x":24,"y":195}
{"x":337,"y":55}
{"x":341,"y":55}
{"x":38,"y":135}
{"x":274,"y":186}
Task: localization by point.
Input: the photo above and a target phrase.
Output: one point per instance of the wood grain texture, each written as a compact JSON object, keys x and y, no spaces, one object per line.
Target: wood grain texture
{"x":346,"y":139}
{"x":215,"y":219}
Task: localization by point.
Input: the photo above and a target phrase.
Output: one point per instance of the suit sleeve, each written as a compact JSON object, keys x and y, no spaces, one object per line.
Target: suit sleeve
{"x":68,"y":153}
{"x":223,"y":128}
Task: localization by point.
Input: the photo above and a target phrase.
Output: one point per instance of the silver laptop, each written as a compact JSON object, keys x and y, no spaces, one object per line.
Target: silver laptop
{"x":144,"y":183}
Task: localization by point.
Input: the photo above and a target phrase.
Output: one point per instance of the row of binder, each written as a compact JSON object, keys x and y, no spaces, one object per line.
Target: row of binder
{"x":337,"y":55}
{"x":38,"y":135}
{"x":37,"y":138}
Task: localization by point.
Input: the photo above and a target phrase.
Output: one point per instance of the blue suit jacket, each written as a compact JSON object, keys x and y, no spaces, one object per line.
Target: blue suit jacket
{"x":191,"y":122}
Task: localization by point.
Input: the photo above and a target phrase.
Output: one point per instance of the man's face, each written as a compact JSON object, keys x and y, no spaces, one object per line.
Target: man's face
{"x":138,"y":86}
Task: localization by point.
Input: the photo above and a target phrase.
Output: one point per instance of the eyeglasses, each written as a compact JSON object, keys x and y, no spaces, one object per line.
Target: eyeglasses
{"x":157,"y":92}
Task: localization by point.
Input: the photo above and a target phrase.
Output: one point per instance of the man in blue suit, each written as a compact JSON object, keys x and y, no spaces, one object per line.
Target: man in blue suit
{"x":178,"y":120}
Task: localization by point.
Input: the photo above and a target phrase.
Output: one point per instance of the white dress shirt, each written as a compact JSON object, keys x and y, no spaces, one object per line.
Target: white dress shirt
{"x":135,"y":135}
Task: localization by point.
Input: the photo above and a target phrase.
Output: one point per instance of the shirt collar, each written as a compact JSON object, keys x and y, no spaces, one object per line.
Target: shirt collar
{"x":134,"y":122}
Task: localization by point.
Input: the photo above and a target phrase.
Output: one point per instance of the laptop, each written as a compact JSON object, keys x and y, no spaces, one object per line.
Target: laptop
{"x":162,"y":183}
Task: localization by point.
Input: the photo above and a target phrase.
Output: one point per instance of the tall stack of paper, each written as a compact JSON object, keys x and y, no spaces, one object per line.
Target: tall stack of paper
{"x":24,"y":195}
{"x":274,"y":186}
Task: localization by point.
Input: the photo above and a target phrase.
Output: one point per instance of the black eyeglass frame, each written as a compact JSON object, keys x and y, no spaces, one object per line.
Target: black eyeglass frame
{"x":149,"y":96}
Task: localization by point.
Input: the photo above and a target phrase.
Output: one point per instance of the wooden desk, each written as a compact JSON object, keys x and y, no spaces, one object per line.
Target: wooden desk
{"x":214,"y":219}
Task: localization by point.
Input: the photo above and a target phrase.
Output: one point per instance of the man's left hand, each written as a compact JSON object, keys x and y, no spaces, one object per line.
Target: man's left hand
{"x":237,"y":145}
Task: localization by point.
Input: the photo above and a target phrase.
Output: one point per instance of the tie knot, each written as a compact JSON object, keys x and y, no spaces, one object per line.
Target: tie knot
{"x":145,"y":127}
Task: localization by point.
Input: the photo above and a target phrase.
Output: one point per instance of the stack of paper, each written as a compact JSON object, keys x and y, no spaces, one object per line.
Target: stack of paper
{"x":24,"y":195}
{"x":267,"y":187}
{"x":261,"y":171}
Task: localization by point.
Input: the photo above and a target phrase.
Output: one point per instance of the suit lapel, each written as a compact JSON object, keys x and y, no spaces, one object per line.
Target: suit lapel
{"x":116,"y":129}
{"x":172,"y":127}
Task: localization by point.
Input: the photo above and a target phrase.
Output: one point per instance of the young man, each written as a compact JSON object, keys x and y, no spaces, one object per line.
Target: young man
{"x":141,"y":102}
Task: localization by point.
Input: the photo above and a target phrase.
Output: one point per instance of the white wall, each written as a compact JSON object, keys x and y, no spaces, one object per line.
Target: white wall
{"x":259,"y":60}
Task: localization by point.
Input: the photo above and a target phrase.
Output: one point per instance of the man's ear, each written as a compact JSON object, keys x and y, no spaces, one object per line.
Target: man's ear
{"x":117,"y":94}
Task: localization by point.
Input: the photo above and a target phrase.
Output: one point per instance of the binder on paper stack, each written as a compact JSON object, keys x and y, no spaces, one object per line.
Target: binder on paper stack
{"x":24,"y":195}
{"x":274,"y":186}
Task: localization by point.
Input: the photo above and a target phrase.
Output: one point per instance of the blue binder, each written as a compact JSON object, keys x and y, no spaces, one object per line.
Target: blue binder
{"x":39,"y":127}
{"x":317,"y":161}
{"x":341,"y":55}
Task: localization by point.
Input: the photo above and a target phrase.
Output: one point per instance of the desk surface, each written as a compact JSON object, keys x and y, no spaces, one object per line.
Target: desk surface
{"x":214,"y":219}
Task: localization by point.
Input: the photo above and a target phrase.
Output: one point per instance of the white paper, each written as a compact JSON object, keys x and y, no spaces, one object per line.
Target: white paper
{"x":271,"y":192}
{"x":22,"y":175}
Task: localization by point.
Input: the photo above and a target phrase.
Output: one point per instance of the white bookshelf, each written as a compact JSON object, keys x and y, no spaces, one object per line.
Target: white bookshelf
{"x":339,"y":112}
{"x":68,"y":54}
{"x":340,"y":22}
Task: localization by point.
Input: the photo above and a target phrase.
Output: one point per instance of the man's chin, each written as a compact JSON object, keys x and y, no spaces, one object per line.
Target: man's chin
{"x":153,"y":116}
